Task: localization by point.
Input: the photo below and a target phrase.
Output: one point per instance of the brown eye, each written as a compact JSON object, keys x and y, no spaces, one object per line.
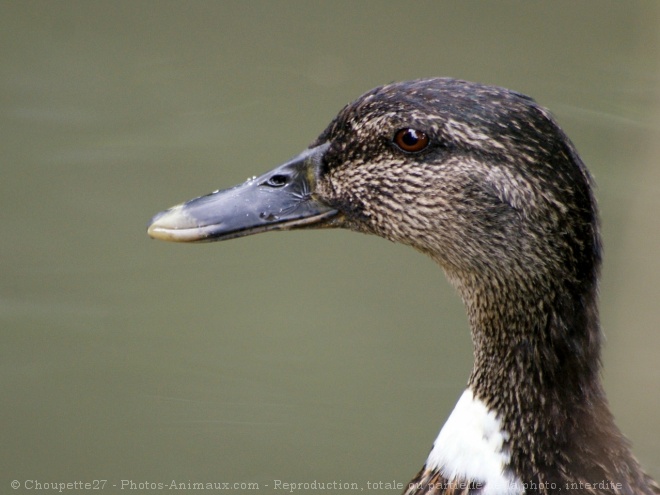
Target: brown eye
{"x":411,"y":140}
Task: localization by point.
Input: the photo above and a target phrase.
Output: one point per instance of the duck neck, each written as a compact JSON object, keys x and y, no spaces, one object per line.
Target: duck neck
{"x":534,"y":418}
{"x":541,"y":347}
{"x":537,"y":362}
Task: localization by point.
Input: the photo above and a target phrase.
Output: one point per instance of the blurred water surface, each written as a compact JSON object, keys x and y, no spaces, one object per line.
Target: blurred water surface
{"x":297,"y":356}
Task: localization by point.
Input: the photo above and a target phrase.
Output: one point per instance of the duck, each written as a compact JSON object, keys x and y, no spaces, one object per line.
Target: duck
{"x":483,"y":180}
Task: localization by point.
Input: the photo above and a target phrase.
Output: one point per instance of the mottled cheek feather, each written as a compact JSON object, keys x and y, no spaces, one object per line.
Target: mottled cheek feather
{"x":471,"y":447}
{"x":512,"y":189}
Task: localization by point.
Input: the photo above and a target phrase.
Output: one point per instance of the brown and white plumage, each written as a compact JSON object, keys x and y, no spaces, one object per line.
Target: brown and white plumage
{"x":484,"y":181}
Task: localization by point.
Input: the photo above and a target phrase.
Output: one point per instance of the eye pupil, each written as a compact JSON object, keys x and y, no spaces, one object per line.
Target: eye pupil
{"x":411,"y":140}
{"x":410,"y":137}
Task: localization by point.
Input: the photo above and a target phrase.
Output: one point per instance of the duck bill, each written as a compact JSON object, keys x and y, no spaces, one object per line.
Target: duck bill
{"x":282,"y":199}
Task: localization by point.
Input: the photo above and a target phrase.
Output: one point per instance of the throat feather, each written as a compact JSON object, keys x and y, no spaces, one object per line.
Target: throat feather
{"x":472,"y":446}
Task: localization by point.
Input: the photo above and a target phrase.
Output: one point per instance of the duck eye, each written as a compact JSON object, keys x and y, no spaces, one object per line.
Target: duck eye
{"x":411,"y":140}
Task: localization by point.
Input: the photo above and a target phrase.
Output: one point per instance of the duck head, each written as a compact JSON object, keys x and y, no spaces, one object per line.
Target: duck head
{"x":478,"y":177}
